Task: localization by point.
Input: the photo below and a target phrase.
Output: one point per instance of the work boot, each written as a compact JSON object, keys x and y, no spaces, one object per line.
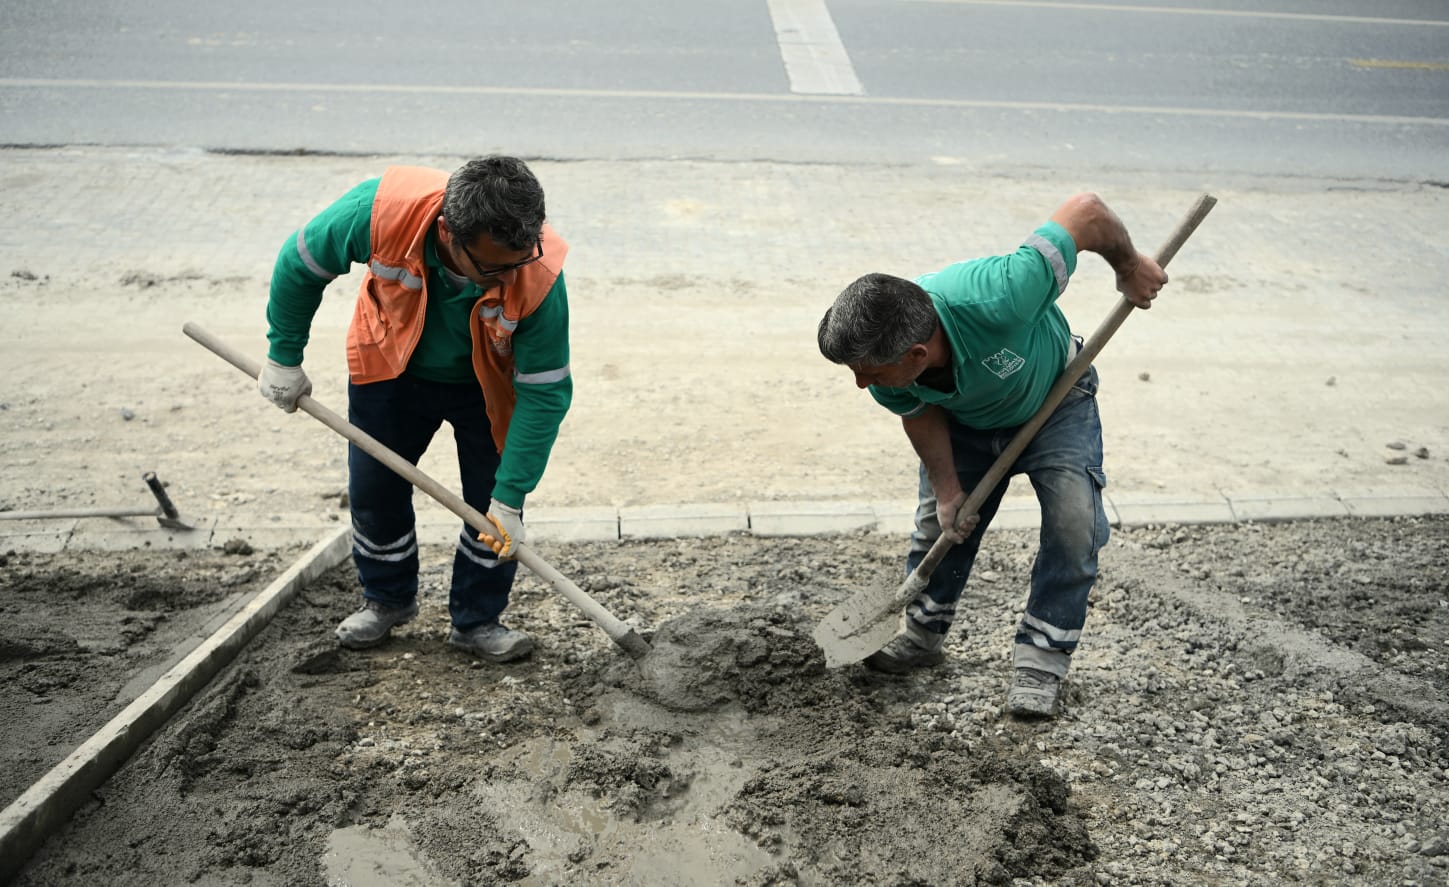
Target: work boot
{"x":492,"y":641}
{"x":1033,"y":694}
{"x":371,"y":625}
{"x":908,"y":650}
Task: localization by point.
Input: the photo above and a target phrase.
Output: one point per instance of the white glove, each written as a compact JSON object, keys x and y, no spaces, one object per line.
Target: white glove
{"x":283,"y":385}
{"x":507,"y":523}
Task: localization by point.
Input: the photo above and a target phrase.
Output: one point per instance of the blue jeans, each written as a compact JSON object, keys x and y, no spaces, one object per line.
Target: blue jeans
{"x":403,"y":414}
{"x":1064,"y":463}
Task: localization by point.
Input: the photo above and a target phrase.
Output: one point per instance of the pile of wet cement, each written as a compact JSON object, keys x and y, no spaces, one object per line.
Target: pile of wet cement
{"x":839,"y":785}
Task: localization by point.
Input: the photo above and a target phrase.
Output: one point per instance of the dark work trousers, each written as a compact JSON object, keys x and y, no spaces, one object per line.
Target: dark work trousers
{"x":403,"y":414}
{"x":1064,"y":464}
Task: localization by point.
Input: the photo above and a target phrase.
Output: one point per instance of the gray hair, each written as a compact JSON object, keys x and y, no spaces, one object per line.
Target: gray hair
{"x":876,"y":320}
{"x":497,"y":196}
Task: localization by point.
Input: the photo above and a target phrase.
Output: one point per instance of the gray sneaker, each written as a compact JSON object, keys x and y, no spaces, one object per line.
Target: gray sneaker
{"x":493,"y":641}
{"x":371,"y":625}
{"x":1033,"y":694}
{"x":905,"y":652}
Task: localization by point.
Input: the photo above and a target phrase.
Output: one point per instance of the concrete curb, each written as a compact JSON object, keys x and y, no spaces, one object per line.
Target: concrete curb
{"x":51,"y":800}
{"x":694,"y":520}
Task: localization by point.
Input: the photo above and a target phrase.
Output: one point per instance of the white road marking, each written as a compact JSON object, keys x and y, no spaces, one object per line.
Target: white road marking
{"x":759,"y":97}
{"x":1183,"y":10}
{"x":814,"y":57}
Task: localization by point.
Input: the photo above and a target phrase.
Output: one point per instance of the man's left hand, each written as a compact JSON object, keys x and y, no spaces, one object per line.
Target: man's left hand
{"x":507,"y":533}
{"x":1140,"y":283}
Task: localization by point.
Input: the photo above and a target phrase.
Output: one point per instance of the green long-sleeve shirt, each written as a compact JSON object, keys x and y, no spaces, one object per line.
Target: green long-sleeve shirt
{"x":340,"y":235}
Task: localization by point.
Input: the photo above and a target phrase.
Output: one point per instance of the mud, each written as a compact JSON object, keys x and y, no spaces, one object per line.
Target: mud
{"x":1233,"y":716}
{"x":82,"y":636}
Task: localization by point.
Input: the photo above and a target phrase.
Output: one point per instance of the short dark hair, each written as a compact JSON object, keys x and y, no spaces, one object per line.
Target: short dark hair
{"x":497,"y":196}
{"x":876,"y":320}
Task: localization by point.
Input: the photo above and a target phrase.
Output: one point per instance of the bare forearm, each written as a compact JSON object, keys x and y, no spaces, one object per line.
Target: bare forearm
{"x":931,"y":439}
{"x":1096,"y":228}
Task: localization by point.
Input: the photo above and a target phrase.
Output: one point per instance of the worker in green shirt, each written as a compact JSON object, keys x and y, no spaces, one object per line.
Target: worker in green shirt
{"x":462,"y":318}
{"x":965,"y":356}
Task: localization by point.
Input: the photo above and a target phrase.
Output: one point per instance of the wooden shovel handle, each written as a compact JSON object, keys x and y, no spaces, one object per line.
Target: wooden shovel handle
{"x":1064,"y":383}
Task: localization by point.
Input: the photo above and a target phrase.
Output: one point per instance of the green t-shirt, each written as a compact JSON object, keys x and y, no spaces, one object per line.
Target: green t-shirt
{"x":1009,"y":341}
{"x":340,"y":235}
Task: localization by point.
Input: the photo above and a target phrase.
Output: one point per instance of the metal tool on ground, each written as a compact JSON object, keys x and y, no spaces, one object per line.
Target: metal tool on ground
{"x":867,"y":620}
{"x":618,"y":631}
{"x":166,"y":514}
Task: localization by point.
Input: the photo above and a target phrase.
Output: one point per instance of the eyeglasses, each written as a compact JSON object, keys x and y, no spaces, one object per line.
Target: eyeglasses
{"x":499,"y":270}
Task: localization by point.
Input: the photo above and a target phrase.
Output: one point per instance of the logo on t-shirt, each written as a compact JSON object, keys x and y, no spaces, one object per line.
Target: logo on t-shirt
{"x":1003,"y":363}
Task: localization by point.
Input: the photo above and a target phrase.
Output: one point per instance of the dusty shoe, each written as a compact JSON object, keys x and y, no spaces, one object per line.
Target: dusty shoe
{"x":905,"y":652}
{"x":493,"y":641}
{"x":1034,"y":693}
{"x":370,"y":626}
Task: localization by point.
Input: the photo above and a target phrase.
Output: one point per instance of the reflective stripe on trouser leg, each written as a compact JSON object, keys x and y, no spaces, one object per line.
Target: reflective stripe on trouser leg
{"x":388,"y":571}
{"x":934,"y":609}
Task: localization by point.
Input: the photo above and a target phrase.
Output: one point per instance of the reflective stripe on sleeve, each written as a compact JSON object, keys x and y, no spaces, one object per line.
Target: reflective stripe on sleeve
{"x":920,"y":408}
{"x":542,"y":378}
{"x":306,"y":255}
{"x":401,"y":275}
{"x":1053,"y":256}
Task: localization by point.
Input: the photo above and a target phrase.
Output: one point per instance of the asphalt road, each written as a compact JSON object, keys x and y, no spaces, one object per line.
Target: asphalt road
{"x":1278,"y":88}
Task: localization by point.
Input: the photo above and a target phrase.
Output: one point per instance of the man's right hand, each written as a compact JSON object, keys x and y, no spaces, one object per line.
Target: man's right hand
{"x":282,"y":385}
{"x":946,"y":514}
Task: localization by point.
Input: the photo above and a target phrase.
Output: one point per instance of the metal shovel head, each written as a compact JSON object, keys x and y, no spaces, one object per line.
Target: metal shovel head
{"x":864,"y":623}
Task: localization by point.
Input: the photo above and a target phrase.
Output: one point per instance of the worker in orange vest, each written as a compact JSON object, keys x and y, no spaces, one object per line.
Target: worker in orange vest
{"x":462,"y":318}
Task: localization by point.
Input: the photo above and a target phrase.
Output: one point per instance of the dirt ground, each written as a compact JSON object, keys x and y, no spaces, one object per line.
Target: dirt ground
{"x":1263,"y":367}
{"x":1251,"y":704}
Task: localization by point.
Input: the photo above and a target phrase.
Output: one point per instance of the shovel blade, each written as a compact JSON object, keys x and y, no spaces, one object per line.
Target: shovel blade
{"x":864,"y":623}
{"x":842,"y":646}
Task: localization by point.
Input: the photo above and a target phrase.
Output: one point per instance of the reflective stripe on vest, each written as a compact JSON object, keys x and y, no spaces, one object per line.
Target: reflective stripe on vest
{"x":490,"y":312}
{"x":401,"y":275}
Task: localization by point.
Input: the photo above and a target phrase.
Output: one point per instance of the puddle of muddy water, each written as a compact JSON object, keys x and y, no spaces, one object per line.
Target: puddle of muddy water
{"x":358,"y":856}
{"x":675,"y":838}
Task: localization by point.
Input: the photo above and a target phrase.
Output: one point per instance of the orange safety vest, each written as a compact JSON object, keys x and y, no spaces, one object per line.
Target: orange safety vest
{"x":388,"y":319}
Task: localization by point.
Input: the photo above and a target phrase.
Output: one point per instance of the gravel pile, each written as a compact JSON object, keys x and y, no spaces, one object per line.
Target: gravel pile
{"x":1211,"y":735}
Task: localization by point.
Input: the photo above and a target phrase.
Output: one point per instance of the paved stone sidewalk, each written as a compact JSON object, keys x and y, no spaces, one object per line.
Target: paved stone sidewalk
{"x":603,"y":524}
{"x":1302,"y":333}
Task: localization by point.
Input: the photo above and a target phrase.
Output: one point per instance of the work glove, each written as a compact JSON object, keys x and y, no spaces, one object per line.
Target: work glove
{"x":946,"y":514}
{"x":282,"y":385}
{"x":507,"y":524}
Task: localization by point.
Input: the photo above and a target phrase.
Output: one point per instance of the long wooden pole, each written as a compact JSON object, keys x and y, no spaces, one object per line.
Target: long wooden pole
{"x":619,"y":632}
